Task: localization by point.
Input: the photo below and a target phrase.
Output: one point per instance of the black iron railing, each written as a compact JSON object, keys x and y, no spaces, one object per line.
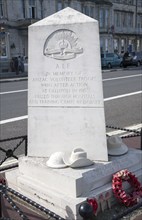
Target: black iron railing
{"x":13,"y":144}
{"x":6,"y":193}
{"x":133,"y":133}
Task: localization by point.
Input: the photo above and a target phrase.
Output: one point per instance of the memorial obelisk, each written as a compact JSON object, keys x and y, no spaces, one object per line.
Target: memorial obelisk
{"x":65,"y":95}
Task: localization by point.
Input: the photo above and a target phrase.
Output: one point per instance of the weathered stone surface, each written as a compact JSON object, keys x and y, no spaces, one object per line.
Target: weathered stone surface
{"x":65,"y":100}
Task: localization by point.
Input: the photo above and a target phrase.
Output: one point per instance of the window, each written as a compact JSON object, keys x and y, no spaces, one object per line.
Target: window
{"x":138,"y":45}
{"x":106,"y":45}
{"x":3,"y":49}
{"x":124,"y":1}
{"x":130,"y":41}
{"x":122,"y":45}
{"x":124,"y":19}
{"x":101,"y":44}
{"x":101,"y":18}
{"x":139,"y":21}
{"x":130,"y":45}
{"x":86,"y":8}
{"x":32,"y":9}
{"x":130,"y":2}
{"x":76,"y":5}
{"x":1,"y":8}
{"x":115,"y":43}
{"x":62,"y":4}
{"x":23,"y":8}
{"x":104,"y":17}
{"x":92,"y":11}
{"x":66,"y":3}
{"x":59,"y":6}
{"x":130,"y":19}
{"x":117,"y":18}
{"x":109,"y":55}
{"x":139,"y":3}
{"x":115,"y":56}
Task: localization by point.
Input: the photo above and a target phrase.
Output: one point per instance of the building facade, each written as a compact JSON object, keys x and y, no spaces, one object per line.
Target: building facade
{"x":120,"y":23}
{"x":127,"y":17}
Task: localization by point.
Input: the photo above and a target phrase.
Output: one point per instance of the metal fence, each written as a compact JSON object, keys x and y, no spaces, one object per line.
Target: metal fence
{"x":6,"y":193}
{"x":9,"y":149}
{"x":128,"y":133}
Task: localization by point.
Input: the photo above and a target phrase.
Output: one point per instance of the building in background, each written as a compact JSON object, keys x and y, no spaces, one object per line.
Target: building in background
{"x":120,"y":23}
{"x":127,"y":33}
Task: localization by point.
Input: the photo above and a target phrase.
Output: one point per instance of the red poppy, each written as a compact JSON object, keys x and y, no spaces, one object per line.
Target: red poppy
{"x":93,"y":203}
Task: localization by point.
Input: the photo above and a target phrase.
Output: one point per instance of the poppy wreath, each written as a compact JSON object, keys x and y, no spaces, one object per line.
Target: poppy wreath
{"x":125,"y":198}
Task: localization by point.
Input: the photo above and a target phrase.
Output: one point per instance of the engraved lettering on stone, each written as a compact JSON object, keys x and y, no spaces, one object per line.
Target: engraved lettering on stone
{"x":69,"y":88}
{"x":62,"y":45}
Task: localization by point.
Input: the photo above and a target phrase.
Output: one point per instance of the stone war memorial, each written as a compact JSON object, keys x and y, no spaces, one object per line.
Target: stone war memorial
{"x":67,"y":161}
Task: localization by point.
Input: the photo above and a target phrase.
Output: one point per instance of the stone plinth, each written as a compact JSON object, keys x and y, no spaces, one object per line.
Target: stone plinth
{"x":63,"y":190}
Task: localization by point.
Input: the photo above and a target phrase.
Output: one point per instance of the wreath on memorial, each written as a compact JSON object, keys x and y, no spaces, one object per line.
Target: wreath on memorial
{"x":128,"y":199}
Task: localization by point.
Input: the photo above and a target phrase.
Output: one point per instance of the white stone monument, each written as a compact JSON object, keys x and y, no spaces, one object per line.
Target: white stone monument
{"x":65,"y":101}
{"x":66,"y":111}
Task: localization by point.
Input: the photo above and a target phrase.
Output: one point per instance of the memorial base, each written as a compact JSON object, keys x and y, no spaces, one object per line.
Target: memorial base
{"x":63,"y":190}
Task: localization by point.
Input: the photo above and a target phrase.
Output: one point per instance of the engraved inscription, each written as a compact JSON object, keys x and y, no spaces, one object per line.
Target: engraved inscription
{"x":64,"y":88}
{"x":62,"y":44}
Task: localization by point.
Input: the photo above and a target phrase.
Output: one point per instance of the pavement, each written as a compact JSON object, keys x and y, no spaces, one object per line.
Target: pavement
{"x":10,"y":76}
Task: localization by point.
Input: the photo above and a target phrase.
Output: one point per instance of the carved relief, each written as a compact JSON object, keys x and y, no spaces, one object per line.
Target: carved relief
{"x":62,"y":44}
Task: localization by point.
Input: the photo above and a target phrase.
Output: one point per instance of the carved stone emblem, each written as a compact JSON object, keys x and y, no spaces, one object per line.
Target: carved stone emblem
{"x":62,"y":44}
